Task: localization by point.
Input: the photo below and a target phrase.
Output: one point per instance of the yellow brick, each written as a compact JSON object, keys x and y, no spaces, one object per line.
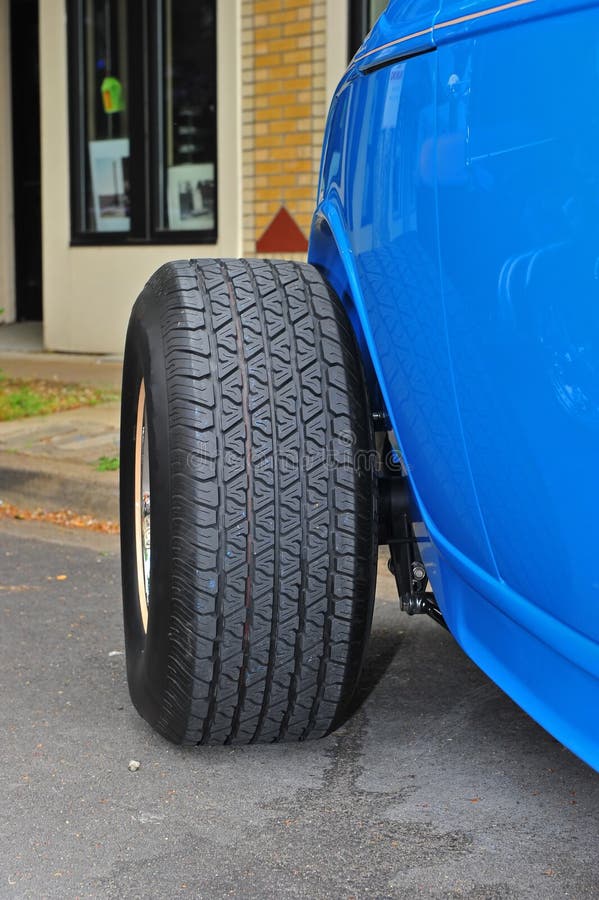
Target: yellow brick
{"x":266,"y":6}
{"x":297,"y":139}
{"x":297,"y":29}
{"x":282,"y":180}
{"x":297,"y":111}
{"x":267,"y":168}
{"x":279,"y":127}
{"x":268,"y":193}
{"x":282,"y":126}
{"x":289,"y":85}
{"x":264,"y":56}
{"x":269,"y":32}
{"x":283,"y":45}
{"x":300,"y":193}
{"x":280,"y":73}
{"x":305,"y":206}
{"x":296,"y":165}
{"x":270,"y":140}
{"x":297,"y":84}
{"x":283,"y":16}
{"x":298,"y":56}
{"x":286,"y":97}
{"x":287,"y":113}
{"x":264,"y":89}
{"x":262,"y":223}
{"x":265,"y":115}
{"x":283,"y":153}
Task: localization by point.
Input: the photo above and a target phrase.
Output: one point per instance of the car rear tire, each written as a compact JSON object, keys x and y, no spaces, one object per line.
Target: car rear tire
{"x":248,"y":503}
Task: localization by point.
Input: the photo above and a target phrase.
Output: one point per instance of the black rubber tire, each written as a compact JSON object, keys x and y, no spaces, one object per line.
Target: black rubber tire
{"x":263,"y":503}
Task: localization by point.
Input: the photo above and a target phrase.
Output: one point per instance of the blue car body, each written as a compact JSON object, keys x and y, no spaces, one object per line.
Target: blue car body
{"x":458,"y":218}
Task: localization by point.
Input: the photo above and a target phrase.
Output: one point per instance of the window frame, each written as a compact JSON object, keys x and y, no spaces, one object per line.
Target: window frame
{"x":362,"y":16}
{"x":144,"y":47}
{"x":359,"y":15}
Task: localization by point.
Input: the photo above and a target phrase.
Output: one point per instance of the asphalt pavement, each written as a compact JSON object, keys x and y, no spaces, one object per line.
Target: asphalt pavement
{"x":439,"y":786}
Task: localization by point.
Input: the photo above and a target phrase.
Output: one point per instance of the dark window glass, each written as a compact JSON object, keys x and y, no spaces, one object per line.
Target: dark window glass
{"x":143,"y":120}
{"x":106,"y":124}
{"x":362,"y":16}
{"x":187,"y":149}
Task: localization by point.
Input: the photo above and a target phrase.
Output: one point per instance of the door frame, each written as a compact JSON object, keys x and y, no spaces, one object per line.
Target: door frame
{"x":7,"y":237}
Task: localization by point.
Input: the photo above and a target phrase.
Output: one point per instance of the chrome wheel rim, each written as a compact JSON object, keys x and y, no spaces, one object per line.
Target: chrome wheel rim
{"x":143,"y":544}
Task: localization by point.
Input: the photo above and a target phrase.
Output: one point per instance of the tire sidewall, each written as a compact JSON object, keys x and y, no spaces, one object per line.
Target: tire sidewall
{"x":146,"y":653}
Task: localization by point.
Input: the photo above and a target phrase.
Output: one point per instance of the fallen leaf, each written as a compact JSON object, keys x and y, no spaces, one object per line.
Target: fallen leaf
{"x":64,"y":517}
{"x":17,"y":588}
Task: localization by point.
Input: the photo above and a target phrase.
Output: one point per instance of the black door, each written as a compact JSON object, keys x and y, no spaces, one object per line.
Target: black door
{"x":26,"y":157}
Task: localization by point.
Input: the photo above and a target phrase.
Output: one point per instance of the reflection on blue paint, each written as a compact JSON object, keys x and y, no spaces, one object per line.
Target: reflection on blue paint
{"x":458,"y":219}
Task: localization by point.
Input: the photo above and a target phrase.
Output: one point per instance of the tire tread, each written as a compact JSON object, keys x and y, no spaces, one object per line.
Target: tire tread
{"x":272,"y":549}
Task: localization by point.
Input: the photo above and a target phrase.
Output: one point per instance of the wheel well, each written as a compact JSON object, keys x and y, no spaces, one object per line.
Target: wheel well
{"x":324,"y":254}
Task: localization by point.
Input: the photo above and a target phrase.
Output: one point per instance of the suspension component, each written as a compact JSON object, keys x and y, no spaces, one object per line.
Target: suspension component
{"x":395,"y":529}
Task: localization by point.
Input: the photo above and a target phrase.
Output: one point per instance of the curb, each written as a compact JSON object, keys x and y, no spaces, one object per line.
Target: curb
{"x":35,"y":482}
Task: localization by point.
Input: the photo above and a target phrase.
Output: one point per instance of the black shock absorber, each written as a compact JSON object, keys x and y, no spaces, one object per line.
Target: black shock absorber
{"x":405,"y":563}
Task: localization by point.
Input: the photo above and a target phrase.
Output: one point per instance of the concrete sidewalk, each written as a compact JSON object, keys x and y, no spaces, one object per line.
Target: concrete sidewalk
{"x":50,"y":462}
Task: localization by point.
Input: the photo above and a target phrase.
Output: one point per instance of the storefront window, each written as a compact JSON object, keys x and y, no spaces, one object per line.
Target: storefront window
{"x":143,"y":120}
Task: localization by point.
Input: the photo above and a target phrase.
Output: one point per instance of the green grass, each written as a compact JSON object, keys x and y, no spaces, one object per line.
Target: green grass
{"x":107,"y":464}
{"x":21,"y":398}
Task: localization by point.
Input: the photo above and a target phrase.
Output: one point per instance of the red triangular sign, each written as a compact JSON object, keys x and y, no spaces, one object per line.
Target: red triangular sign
{"x":283,"y":235}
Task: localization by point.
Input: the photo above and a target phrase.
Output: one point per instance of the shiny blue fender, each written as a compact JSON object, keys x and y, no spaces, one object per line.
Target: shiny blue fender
{"x":457,"y":219}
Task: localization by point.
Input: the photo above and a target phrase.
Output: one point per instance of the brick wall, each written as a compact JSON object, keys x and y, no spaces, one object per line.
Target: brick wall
{"x":283,"y":116}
